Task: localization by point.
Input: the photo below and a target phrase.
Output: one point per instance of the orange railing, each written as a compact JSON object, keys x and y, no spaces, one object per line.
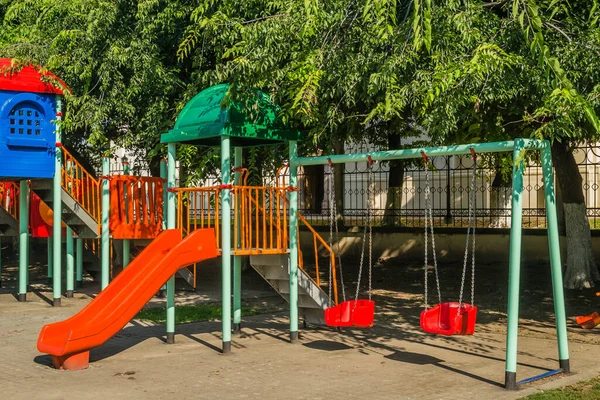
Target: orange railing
{"x":9,"y":198}
{"x":198,"y":208}
{"x":260,"y":223}
{"x":81,"y":185}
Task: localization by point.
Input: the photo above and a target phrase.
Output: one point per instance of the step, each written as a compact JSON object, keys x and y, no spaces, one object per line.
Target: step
{"x":274,"y":268}
{"x":186,"y":275}
{"x":72,"y":213}
{"x":9,"y":226}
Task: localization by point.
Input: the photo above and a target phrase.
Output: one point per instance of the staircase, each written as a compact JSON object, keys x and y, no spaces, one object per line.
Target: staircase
{"x":80,"y":196}
{"x":312,"y":300}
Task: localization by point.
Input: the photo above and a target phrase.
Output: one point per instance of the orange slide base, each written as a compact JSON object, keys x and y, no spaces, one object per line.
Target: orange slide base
{"x":69,"y":341}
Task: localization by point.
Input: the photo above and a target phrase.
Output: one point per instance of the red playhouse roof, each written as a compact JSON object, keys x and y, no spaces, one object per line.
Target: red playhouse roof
{"x":29,"y":79}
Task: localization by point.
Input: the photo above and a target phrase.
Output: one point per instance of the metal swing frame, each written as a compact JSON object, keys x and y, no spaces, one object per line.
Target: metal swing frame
{"x":517,"y":147}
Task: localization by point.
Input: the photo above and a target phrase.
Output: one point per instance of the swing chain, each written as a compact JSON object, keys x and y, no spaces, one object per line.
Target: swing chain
{"x":429,"y":221}
{"x":370,"y":229}
{"x":333,"y":221}
{"x":471,"y":219}
{"x":370,"y":207}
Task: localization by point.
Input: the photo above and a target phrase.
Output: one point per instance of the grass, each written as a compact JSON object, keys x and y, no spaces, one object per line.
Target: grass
{"x":189,"y":313}
{"x":589,"y":390}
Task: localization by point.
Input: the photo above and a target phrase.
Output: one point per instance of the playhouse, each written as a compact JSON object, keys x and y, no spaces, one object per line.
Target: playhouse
{"x":29,"y":100}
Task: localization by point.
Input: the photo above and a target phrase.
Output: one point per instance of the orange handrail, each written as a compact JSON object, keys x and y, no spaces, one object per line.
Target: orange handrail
{"x":81,"y":185}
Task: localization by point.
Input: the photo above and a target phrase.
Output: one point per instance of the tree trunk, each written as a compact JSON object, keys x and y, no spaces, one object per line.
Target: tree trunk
{"x":393,"y":201}
{"x":500,"y":200}
{"x":581,"y":269}
{"x":314,"y":188}
{"x":338,"y":170}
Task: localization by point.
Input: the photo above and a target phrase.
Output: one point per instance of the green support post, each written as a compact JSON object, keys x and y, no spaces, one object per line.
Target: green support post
{"x":23,"y":239}
{"x":70,"y":262}
{"x":163,"y":174}
{"x":50,"y":259}
{"x":79,"y":264}
{"x":105,"y":271}
{"x":126,"y":242}
{"x":293,"y":148}
{"x":57,"y":209}
{"x":555,"y":262}
{"x":514,"y":268}
{"x":237,"y":260}
{"x":171,"y":218}
{"x":226,"y":243}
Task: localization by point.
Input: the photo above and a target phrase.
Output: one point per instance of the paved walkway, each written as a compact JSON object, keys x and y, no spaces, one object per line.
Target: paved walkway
{"x":394,"y":360}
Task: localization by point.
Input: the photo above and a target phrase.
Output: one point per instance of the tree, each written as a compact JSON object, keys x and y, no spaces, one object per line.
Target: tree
{"x":463,"y":71}
{"x":120,"y":62}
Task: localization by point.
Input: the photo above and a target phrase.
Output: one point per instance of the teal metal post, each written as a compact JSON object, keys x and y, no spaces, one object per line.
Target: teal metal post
{"x":226,"y":243}
{"x":555,"y":263}
{"x":293,"y":244}
{"x":70,"y":262}
{"x":105,"y":271}
{"x":126,"y":242}
{"x":237,"y":260}
{"x":57,"y":209}
{"x":163,"y":174}
{"x":23,"y":239}
{"x":79,"y":264}
{"x":50,"y":259}
{"x":514,"y":268}
{"x":171,"y":173}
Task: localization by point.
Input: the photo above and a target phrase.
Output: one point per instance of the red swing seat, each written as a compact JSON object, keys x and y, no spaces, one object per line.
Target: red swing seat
{"x":446,"y":319}
{"x":358,"y":313}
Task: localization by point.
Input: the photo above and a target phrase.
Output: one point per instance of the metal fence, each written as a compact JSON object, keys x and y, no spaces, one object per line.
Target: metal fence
{"x":450,"y":183}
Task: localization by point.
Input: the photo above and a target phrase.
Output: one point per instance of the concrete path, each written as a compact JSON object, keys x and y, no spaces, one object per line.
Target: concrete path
{"x":394,"y":360}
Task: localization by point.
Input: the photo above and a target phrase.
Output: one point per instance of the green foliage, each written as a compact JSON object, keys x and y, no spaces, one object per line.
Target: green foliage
{"x":452,"y":71}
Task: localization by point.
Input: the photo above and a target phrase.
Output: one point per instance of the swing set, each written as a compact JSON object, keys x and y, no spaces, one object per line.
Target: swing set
{"x":453,"y":317}
{"x":445,"y":318}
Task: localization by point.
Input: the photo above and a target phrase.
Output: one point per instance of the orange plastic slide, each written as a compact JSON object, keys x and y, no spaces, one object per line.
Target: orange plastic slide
{"x":69,"y":341}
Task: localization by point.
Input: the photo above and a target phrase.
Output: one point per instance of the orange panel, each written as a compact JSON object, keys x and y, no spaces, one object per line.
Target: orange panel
{"x":136,"y":209}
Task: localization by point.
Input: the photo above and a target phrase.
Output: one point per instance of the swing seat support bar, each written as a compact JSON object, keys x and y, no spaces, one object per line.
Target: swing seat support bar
{"x":518,"y":146}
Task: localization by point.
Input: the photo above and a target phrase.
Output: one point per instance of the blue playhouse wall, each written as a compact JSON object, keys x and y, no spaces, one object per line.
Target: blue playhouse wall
{"x":27,"y":138}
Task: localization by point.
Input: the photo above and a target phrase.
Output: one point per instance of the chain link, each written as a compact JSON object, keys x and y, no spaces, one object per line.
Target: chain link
{"x":370,"y":207}
{"x":429,"y":221}
{"x":470,"y":220}
{"x":333,"y":222}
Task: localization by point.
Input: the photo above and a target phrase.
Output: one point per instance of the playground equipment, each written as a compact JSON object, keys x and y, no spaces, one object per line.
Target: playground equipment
{"x":70,"y":341}
{"x":29,"y":101}
{"x":450,"y":318}
{"x":517,"y":147}
{"x":357,"y":313}
{"x":264,"y":223}
{"x":51,"y":179}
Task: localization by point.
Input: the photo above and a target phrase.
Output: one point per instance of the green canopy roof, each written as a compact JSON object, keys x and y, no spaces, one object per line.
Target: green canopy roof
{"x":209,"y":115}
